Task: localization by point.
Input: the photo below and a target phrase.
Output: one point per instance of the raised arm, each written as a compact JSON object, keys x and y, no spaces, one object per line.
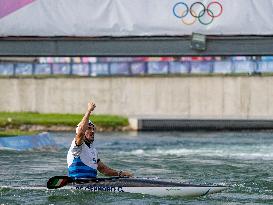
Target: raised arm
{"x":84,"y":124}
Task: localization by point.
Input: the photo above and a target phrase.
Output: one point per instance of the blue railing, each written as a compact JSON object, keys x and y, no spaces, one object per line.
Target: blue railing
{"x":137,"y":68}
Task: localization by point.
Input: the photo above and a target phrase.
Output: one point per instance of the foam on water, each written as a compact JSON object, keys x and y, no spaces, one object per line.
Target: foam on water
{"x":24,"y":187}
{"x":262,"y":154}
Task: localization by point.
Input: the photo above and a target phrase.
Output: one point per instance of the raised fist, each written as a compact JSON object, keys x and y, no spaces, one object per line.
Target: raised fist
{"x":91,"y":106}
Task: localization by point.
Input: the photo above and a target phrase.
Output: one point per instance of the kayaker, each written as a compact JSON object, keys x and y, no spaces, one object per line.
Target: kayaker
{"x":82,"y":157}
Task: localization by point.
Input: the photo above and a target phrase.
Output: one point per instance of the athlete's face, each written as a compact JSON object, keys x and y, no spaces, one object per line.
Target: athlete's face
{"x":89,"y":134}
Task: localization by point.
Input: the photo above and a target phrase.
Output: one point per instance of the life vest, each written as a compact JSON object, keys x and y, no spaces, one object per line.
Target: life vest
{"x":82,"y":161}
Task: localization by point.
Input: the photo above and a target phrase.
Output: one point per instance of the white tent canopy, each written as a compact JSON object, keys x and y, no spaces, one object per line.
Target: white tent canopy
{"x":135,"y":17}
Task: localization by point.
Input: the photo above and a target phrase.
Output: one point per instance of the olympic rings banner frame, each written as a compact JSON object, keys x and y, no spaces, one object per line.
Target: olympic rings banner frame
{"x":135,"y":17}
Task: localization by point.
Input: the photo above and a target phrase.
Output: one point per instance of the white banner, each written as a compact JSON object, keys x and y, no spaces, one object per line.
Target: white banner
{"x":135,"y":17}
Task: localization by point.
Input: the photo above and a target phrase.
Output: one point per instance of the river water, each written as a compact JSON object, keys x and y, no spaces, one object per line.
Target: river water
{"x":242,"y":160}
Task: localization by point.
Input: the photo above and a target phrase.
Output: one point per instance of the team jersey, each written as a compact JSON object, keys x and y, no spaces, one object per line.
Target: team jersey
{"x":82,"y":161}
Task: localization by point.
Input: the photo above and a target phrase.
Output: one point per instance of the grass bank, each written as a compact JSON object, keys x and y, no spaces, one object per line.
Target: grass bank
{"x":16,"y":132}
{"x":17,"y":123}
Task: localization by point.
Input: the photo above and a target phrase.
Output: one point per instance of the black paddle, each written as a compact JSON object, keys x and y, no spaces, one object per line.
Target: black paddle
{"x":61,"y":181}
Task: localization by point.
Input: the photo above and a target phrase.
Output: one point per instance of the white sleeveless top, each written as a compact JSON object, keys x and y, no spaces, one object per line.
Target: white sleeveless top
{"x":82,"y":161}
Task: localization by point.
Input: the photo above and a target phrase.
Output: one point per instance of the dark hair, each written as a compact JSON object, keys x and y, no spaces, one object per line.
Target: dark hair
{"x":90,"y":123}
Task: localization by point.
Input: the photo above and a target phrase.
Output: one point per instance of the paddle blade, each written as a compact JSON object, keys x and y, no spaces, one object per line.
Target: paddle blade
{"x":58,"y":181}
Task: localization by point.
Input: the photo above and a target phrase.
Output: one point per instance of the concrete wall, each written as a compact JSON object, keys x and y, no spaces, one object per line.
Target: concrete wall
{"x":185,"y":97}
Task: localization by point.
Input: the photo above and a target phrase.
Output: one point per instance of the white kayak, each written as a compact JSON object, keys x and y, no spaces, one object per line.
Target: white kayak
{"x":144,"y":186}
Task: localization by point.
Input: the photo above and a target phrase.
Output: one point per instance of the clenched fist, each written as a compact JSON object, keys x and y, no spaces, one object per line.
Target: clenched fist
{"x":91,"y":106}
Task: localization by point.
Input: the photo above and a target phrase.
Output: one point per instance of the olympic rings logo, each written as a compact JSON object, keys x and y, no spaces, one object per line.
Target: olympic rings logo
{"x":189,"y":14}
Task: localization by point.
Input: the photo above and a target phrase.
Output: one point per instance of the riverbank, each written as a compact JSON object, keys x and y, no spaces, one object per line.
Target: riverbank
{"x":22,"y":123}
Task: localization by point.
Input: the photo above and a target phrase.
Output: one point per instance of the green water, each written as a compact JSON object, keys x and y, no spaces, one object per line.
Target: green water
{"x":243,"y":160}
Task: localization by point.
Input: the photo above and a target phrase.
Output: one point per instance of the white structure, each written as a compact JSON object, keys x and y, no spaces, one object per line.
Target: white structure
{"x":135,"y":17}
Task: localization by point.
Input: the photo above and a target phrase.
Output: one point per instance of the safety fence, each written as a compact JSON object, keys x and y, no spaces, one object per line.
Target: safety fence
{"x":138,"y":68}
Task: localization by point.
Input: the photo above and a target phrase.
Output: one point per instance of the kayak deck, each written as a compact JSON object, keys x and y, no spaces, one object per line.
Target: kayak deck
{"x":134,"y":182}
{"x":144,"y":186}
